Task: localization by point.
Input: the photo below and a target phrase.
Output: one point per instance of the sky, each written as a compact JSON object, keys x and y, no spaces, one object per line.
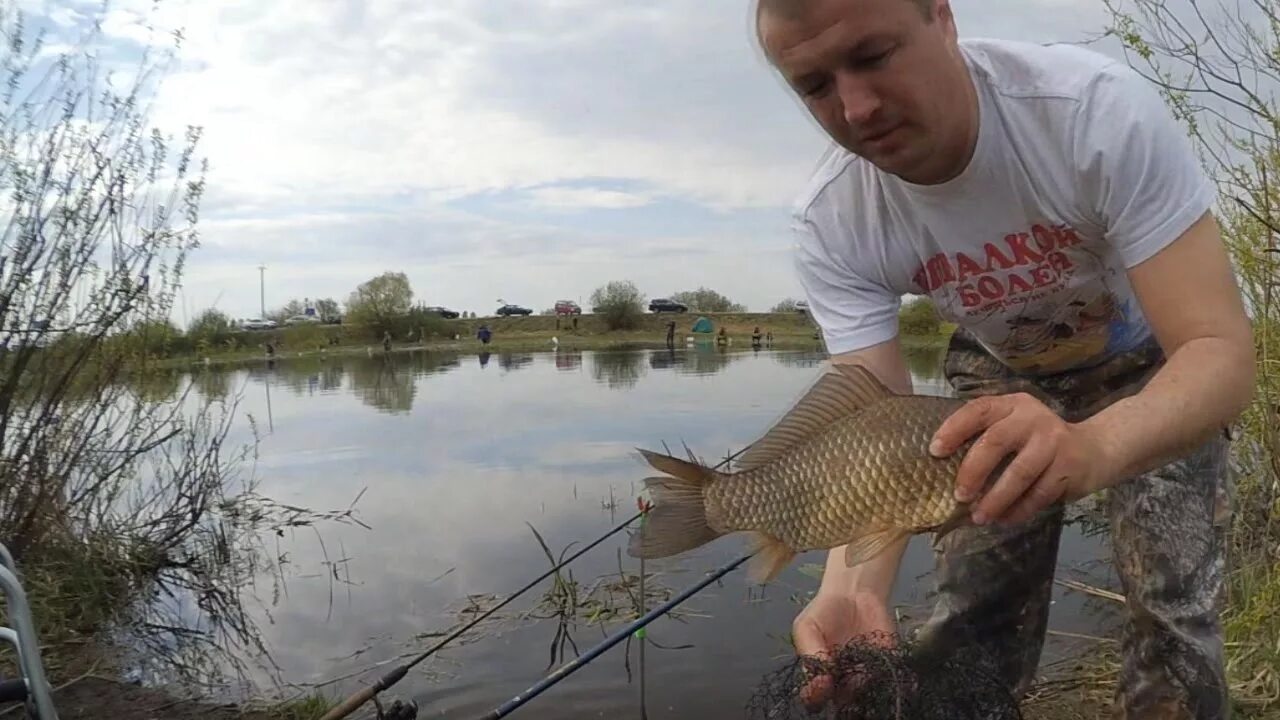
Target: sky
{"x":515,"y":150}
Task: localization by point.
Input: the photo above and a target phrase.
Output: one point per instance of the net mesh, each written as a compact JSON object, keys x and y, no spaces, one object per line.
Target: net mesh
{"x":889,"y":677}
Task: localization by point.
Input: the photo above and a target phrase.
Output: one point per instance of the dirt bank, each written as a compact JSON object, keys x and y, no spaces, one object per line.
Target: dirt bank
{"x":95,"y":697}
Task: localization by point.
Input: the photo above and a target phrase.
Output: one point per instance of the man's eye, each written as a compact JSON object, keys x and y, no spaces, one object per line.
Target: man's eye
{"x":870,"y":61}
{"x":813,"y":87}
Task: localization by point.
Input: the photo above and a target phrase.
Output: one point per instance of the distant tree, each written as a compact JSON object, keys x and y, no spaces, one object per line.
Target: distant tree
{"x":155,"y":337}
{"x":327,"y":309}
{"x":707,"y":300}
{"x":919,"y":317}
{"x":379,"y":301}
{"x":211,"y":327}
{"x":620,"y":303}
{"x":288,"y":310}
{"x":788,"y":305}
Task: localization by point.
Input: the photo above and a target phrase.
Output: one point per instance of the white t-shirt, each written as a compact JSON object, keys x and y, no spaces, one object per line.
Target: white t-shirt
{"x":1080,"y":172}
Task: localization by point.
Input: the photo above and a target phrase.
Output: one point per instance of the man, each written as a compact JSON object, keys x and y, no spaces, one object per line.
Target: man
{"x":1047,"y":202}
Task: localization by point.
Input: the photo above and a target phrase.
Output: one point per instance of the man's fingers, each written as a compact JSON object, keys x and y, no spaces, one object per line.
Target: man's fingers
{"x":815,"y":693}
{"x":972,"y":418}
{"x":1020,"y":474}
{"x":993,"y":446}
{"x":810,"y":641}
{"x":1047,"y":490}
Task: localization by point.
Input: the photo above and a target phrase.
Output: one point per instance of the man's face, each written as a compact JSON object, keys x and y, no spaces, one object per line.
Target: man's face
{"x":885,"y":82}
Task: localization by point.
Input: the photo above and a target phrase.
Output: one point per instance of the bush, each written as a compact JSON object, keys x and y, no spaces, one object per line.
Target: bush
{"x":620,"y":304}
{"x":919,"y":317}
{"x":707,"y":300}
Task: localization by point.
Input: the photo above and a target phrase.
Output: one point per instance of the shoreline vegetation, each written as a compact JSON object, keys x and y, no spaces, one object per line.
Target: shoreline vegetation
{"x":790,"y":331}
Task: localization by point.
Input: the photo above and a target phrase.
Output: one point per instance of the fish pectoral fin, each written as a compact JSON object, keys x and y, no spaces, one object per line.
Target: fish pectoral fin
{"x":960,"y":518}
{"x":866,"y":546}
{"x":771,"y":557}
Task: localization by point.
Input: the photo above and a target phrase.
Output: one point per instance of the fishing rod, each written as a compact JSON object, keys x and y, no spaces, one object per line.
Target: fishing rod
{"x":359,"y":698}
{"x":569,"y":668}
{"x":386,"y":681}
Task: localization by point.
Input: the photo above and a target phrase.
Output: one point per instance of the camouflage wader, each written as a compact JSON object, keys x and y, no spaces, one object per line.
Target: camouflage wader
{"x":1168,"y":535}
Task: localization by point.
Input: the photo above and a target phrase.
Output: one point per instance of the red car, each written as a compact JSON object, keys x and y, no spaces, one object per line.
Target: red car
{"x":567,"y":307}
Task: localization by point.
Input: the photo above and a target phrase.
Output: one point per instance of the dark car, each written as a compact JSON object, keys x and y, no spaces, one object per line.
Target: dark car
{"x":442,"y":312}
{"x":658,"y":305}
{"x":514,"y":310}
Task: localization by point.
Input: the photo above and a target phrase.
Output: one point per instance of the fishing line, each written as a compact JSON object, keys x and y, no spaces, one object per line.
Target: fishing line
{"x":386,"y":681}
{"x":353,"y":703}
{"x":569,"y":668}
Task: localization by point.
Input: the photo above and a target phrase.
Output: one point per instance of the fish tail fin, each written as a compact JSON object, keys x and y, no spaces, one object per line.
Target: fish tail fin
{"x":678,"y":520}
{"x":771,"y":557}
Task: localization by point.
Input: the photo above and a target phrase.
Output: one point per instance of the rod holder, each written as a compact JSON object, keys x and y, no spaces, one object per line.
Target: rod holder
{"x":27,"y":642}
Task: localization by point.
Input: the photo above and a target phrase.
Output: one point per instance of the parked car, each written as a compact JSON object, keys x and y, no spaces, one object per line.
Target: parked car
{"x":666,"y":305}
{"x":514,"y":310}
{"x":442,"y":312}
{"x":802,"y":306}
{"x":567,"y":307}
{"x":257,"y":324}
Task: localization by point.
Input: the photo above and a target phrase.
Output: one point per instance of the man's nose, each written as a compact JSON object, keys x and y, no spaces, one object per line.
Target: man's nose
{"x":859,"y":99}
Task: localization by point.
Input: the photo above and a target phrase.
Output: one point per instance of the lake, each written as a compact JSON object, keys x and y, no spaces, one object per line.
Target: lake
{"x":455,"y":456}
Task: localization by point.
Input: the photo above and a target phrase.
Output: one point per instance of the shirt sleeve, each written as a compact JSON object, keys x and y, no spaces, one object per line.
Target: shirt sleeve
{"x":852,"y":311}
{"x":1137,"y":165}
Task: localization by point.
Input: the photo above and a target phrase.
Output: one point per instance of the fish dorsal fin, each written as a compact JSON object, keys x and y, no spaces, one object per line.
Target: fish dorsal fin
{"x":842,"y":390}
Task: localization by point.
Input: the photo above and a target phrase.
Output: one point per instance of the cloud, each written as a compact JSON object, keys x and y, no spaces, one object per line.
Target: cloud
{"x":578,"y":198}
{"x":476,"y":144}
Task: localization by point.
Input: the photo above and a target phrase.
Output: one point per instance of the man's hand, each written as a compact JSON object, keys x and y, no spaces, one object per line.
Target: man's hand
{"x":831,"y":620}
{"x":1053,"y":460}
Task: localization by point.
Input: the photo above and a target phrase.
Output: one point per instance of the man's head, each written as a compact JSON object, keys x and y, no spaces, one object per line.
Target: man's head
{"x":884,"y":78}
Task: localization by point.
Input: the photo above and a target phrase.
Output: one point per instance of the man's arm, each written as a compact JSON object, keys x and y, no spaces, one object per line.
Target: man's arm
{"x":876,"y":576}
{"x":1189,"y":295}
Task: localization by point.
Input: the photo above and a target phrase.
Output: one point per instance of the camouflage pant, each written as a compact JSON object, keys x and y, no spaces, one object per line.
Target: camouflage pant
{"x":1168,"y":536}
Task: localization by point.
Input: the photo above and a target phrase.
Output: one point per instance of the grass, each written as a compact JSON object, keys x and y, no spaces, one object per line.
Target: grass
{"x":75,"y":590}
{"x":1251,"y":625}
{"x":309,"y":707}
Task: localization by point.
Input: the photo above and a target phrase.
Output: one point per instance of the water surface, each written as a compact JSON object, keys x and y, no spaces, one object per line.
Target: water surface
{"x":454,"y":457}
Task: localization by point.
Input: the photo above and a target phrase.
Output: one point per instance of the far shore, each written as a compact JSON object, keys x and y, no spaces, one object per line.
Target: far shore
{"x":791,"y":337}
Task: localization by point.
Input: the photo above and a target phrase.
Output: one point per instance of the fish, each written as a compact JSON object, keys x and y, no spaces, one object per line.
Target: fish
{"x":848,"y":464}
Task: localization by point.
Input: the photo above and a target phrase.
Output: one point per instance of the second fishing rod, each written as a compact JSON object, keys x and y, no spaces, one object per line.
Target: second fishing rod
{"x":359,"y":698}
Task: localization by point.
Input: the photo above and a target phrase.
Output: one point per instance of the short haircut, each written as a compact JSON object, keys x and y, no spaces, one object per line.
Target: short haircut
{"x":793,"y":9}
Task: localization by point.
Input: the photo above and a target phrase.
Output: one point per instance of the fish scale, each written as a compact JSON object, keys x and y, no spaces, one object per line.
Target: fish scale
{"x":847,"y":465}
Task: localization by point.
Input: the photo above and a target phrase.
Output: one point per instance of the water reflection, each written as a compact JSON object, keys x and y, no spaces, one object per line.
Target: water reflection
{"x":926,"y":362}
{"x":383,"y":385}
{"x":617,"y":369}
{"x":387,"y":381}
{"x":459,"y":461}
{"x":568,"y":359}
{"x":511,"y":361}
{"x":212,"y":386}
